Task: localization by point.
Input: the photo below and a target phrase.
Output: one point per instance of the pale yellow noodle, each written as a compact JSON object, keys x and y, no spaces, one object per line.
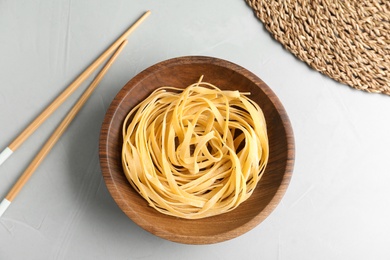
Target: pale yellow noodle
{"x":195,"y":152}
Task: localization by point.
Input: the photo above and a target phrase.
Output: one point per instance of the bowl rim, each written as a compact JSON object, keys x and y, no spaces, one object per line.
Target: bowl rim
{"x":230,"y":234}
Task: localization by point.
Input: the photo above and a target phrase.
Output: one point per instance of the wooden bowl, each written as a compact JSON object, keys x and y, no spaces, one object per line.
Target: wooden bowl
{"x":181,"y":72}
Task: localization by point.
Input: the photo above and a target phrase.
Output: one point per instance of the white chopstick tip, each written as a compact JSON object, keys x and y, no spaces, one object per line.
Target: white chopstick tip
{"x":3,"y":206}
{"x":5,"y":154}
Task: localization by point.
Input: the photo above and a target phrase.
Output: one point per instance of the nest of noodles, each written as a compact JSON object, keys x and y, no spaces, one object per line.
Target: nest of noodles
{"x":195,"y":152}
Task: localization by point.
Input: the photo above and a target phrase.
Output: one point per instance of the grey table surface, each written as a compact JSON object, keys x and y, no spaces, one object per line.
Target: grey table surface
{"x":337,"y":204}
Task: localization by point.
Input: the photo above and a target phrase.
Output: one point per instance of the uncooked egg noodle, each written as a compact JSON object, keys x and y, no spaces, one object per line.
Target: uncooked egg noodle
{"x":195,"y":152}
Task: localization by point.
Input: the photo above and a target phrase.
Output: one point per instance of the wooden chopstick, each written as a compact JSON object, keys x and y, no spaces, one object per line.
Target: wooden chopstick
{"x":7,"y":152}
{"x":57,"y":134}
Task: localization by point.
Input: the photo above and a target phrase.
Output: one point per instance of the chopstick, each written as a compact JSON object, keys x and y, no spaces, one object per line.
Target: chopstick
{"x":117,"y":46}
{"x":57,"y":134}
{"x":14,"y":145}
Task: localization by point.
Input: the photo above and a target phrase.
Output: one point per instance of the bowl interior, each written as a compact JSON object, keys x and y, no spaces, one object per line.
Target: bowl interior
{"x":181,"y":72}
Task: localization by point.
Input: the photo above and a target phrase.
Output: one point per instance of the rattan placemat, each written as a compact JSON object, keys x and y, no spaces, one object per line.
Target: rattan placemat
{"x":347,"y":40}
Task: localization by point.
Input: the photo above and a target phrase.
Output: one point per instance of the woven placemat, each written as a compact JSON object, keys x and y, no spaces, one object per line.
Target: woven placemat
{"x":347,"y":40}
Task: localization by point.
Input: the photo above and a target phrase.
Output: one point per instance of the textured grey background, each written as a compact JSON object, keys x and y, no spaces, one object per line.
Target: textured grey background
{"x":337,"y":206}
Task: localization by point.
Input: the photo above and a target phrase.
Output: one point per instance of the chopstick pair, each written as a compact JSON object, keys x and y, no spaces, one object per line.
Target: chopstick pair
{"x":118,"y":45}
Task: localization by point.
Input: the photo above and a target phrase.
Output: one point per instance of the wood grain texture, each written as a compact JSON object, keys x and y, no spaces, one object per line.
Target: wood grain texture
{"x":181,"y":72}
